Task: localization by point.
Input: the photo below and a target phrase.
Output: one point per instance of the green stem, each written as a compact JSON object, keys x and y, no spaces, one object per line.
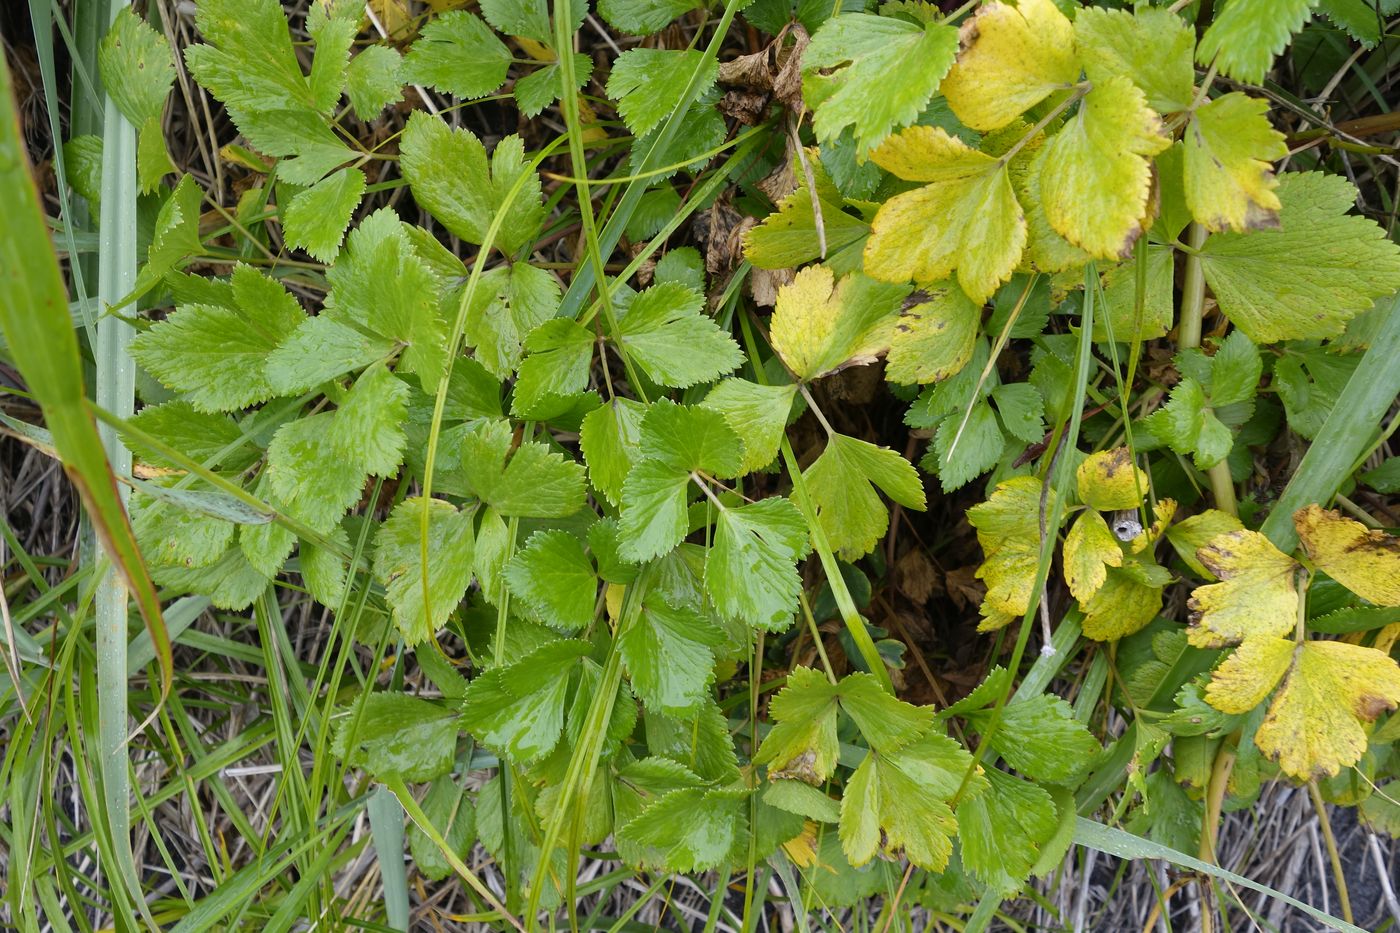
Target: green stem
{"x":1338,"y":875}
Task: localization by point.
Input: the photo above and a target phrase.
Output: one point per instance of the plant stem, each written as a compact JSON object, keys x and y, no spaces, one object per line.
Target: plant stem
{"x":1338,"y":875}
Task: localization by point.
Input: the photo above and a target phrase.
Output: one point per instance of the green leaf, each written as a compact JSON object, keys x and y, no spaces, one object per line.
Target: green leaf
{"x":1151,"y":48}
{"x":317,"y":217}
{"x":1188,"y":426}
{"x":750,"y":572}
{"x":136,"y":67}
{"x":176,"y":236}
{"x":644,"y":17}
{"x":216,"y":354}
{"x":448,"y":174}
{"x":372,"y":80}
{"x":654,"y":518}
{"x":530,"y":482}
{"x":1228,"y":177}
{"x":1309,"y":277}
{"x":1235,"y":370}
{"x":561,"y":353}
{"x":509,"y":303}
{"x":200,"y":436}
{"x":528,"y":18}
{"x":1120,"y":299}
{"x":757,"y":413}
{"x":322,"y":348}
{"x":933,"y":339}
{"x":230,"y":582}
{"x":169,"y":534}
{"x":397,"y":735}
{"x":1022,"y":411}
{"x":886,"y":723}
{"x":689,"y":437}
{"x":518,"y":709}
{"x":788,"y":236}
{"x":648,"y":84}
{"x":609,"y":437}
{"x":458,"y":54}
{"x":1097,"y":175}
{"x":847,"y":67}
{"x":553,"y":576}
{"x":899,"y":804}
{"x":668,"y":335}
{"x":1247,"y":34}
{"x":700,"y":741}
{"x":965,"y":220}
{"x":1003,"y":829}
{"x":842,"y":485}
{"x":450,"y":811}
{"x":398,"y":565}
{"x":803,"y":799}
{"x":802,"y":744}
{"x":538,"y":89}
{"x":323,"y":571}
{"x":668,"y":653}
{"x":697,"y":829}
{"x":967,"y":451}
{"x":1362,"y":19}
{"x":1040,"y":738}
{"x":820,"y":325}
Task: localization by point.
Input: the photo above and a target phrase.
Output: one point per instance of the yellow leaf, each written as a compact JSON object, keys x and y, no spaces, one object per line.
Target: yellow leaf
{"x":1164,"y":511}
{"x":1012,"y":58}
{"x":1313,"y":728}
{"x":1109,"y":480}
{"x":1046,"y":250}
{"x":1193,"y":533}
{"x":1090,"y":549}
{"x":934,"y":339}
{"x":1256,"y":595}
{"x":1229,"y":180}
{"x":1097,"y":173}
{"x":1008,"y":528}
{"x":994,"y":619}
{"x":819,"y":325}
{"x":802,"y":848}
{"x":1250,"y":673}
{"x":965,"y":220}
{"x":1364,"y":561}
{"x":1122,"y":606}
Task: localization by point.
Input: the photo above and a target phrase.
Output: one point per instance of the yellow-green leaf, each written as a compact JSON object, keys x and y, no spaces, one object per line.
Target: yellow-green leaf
{"x":1090,"y":549}
{"x":1046,"y":250}
{"x":820,"y":325}
{"x":1109,"y":480}
{"x":966,"y":220}
{"x":1013,"y":57}
{"x":1008,"y":528}
{"x":1123,"y":605}
{"x":1250,"y":673}
{"x":1256,"y":594}
{"x":1097,"y":175}
{"x":1152,"y":48}
{"x":933,"y":340}
{"x":1229,"y":145}
{"x":1364,"y":561}
{"x":1193,"y":533}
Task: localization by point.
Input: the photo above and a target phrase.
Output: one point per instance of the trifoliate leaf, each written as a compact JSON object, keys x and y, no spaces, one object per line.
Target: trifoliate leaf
{"x":1008,"y":528}
{"x":1090,"y":549}
{"x":696,"y":829}
{"x":1003,"y":829}
{"x":530,"y":481}
{"x":609,"y":437}
{"x":668,"y":335}
{"x":1228,"y":147}
{"x":1013,"y":57}
{"x":1097,"y":174}
{"x":372,"y":80}
{"x":668,"y":654}
{"x":1130,"y":598}
{"x":966,"y":220}
{"x":690,"y":437}
{"x":802,"y":744}
{"x":509,"y":303}
{"x":1188,"y":426}
{"x":1364,"y":561}
{"x":1151,"y":48}
{"x":308,"y":473}
{"x":561,"y":352}
{"x":216,"y":354}
{"x":449,"y":809}
{"x":458,"y":54}
{"x":1247,"y":34}
{"x":751,"y":570}
{"x":648,"y":83}
{"x":322,"y":348}
{"x":380,"y":283}
{"x":317,"y":217}
{"x":966,"y":450}
{"x":900,"y":803}
{"x":1190,"y":534}
{"x":644,"y":17}
{"x":447,"y":172}
{"x":1309,"y":277}
{"x":788,"y":236}
{"x":846,"y":70}
{"x":842,"y":485}
{"x":518,"y":709}
{"x":1040,"y":738}
{"x":820,"y":325}
{"x":554,"y":577}
{"x":1109,"y":480}
{"x":758,"y":413}
{"x":1256,"y":594}
{"x":397,"y":735}
{"x":933,"y":339}
{"x":420,"y":608}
